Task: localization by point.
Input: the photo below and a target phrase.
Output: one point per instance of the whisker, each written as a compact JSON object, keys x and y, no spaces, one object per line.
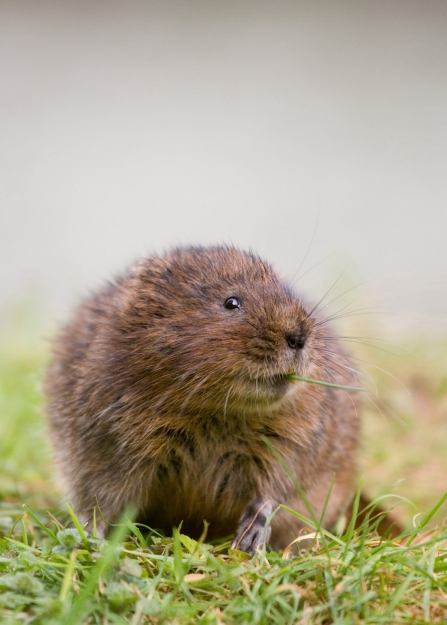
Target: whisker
{"x":340,"y":364}
{"x":332,"y":314}
{"x":350,"y":397}
{"x":313,"y":267}
{"x":308,"y":249}
{"x":361,"y":341}
{"x":364,"y":310}
{"x":356,"y":286}
{"x":355,"y":314}
{"x":227,"y":397}
{"x":328,"y":291}
{"x":370,"y":364}
{"x":356,"y":372}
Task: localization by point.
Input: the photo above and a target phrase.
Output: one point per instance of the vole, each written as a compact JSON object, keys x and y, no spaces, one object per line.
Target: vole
{"x":167,"y":382}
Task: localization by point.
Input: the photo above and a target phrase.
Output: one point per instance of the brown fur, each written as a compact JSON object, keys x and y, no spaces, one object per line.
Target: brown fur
{"x":160,"y":397}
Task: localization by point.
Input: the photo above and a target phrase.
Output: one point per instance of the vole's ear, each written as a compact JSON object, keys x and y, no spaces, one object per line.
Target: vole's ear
{"x":147,"y":272}
{"x":142,"y":290}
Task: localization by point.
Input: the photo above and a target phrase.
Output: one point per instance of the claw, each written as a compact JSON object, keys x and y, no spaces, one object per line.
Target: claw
{"x":251,"y":531}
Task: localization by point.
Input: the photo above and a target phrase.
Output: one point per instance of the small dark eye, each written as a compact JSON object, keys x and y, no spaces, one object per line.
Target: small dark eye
{"x":232,"y":303}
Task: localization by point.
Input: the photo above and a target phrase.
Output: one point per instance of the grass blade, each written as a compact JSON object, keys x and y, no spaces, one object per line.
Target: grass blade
{"x":37,"y":522}
{"x":292,"y":376}
{"x":78,"y":526}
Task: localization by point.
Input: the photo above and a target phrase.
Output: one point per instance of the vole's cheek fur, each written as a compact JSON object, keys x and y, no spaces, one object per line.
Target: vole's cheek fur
{"x":161,"y":396}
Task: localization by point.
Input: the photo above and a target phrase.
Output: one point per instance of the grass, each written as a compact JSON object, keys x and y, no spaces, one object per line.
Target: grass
{"x":51,"y":572}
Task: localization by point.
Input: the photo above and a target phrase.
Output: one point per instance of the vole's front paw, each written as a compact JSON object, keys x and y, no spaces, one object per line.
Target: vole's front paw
{"x":251,"y":531}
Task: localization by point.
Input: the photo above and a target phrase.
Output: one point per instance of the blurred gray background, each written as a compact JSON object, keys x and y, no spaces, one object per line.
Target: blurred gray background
{"x":128,"y":127}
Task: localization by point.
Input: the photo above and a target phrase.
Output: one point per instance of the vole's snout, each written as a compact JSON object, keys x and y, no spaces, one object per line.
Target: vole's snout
{"x":296,"y":340}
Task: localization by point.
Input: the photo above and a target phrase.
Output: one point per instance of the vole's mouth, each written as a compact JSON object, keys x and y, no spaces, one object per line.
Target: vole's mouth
{"x":265,"y":389}
{"x":278,"y":383}
{"x":262,"y":390}
{"x":278,"y":378}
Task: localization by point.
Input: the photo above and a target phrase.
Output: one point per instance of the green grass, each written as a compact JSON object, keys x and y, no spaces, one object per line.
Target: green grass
{"x":52,"y":572}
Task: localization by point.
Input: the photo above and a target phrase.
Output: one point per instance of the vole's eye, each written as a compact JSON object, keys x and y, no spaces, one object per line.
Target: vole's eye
{"x":232,"y":303}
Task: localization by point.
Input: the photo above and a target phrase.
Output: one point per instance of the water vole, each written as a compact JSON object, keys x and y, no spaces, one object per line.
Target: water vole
{"x":165,"y":383}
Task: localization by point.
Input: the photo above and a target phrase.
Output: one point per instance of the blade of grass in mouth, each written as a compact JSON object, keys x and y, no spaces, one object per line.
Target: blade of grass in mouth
{"x":292,"y":376}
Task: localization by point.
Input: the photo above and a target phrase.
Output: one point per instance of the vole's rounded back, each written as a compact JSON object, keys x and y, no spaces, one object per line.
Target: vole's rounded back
{"x":166,"y":383}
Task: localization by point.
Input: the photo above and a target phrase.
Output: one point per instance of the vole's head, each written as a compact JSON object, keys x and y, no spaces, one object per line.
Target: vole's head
{"x":221,"y":325}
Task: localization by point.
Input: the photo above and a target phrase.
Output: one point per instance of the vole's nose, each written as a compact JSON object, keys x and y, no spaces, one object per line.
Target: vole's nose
{"x":296,"y":340}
